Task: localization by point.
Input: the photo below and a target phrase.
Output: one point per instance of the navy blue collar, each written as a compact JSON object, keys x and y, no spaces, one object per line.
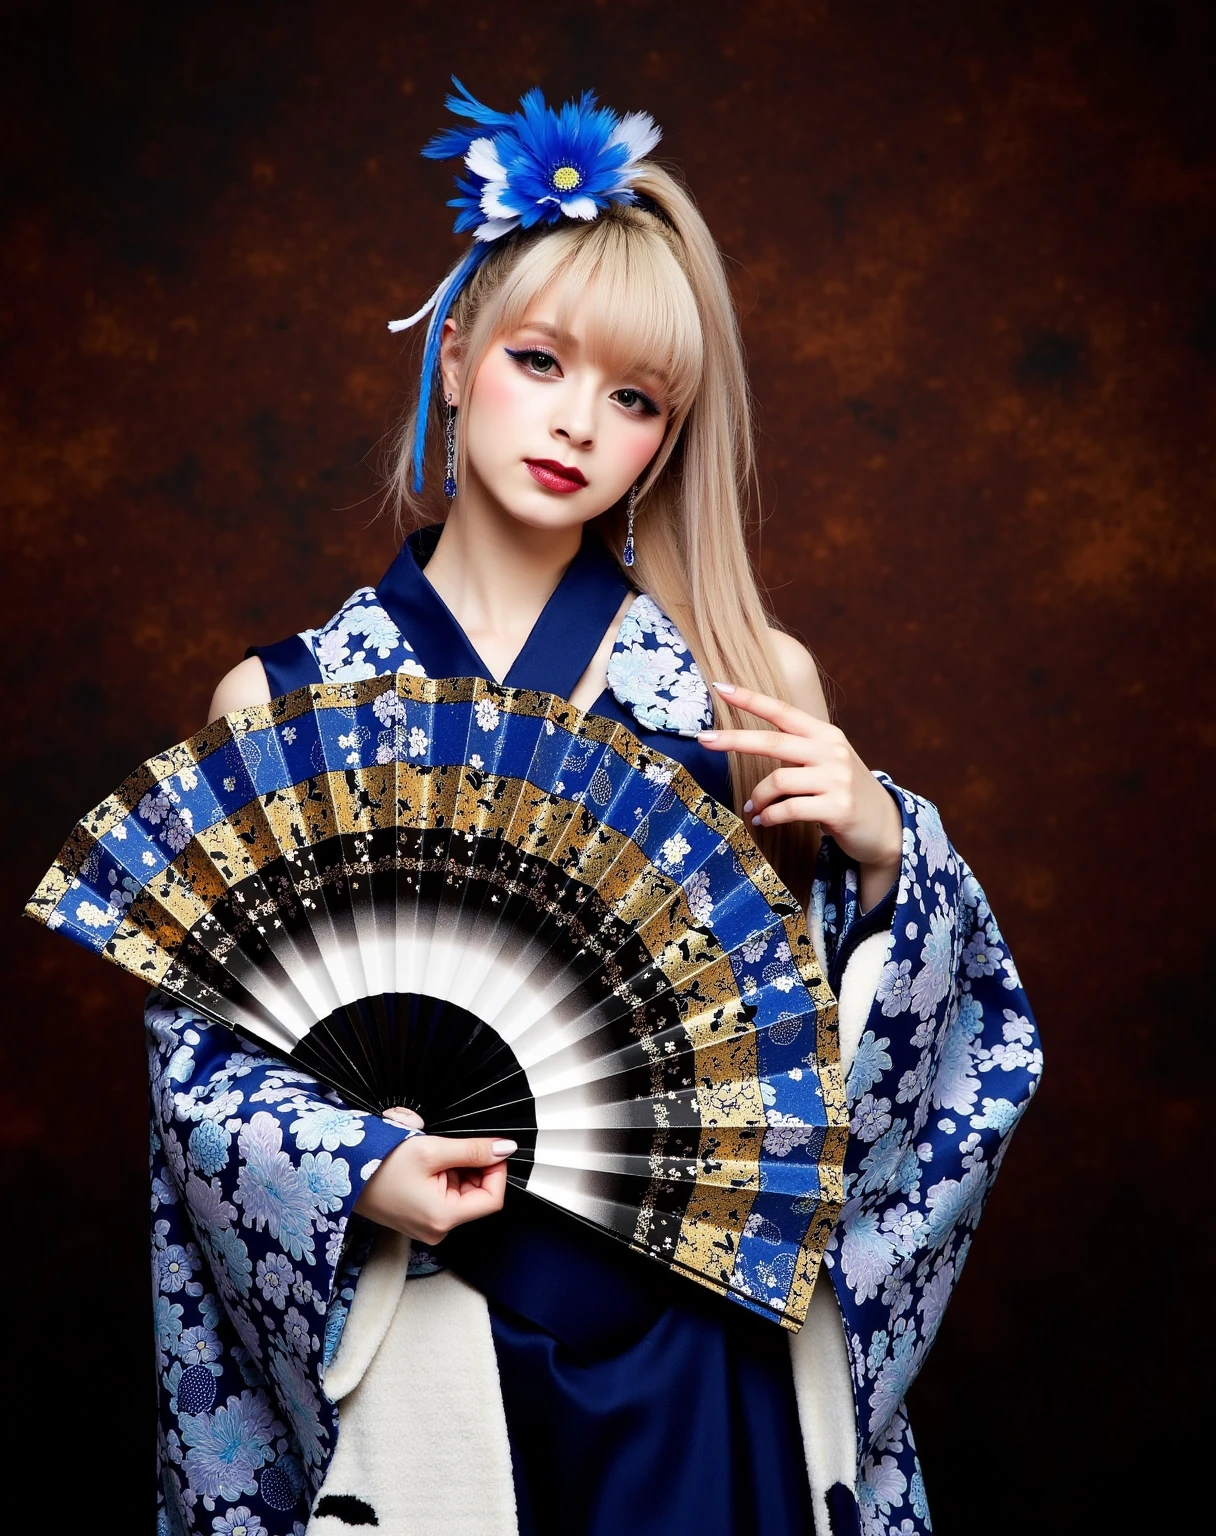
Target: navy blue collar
{"x":561,"y":644}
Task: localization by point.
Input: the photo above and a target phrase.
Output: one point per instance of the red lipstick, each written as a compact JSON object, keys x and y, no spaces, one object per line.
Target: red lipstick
{"x":554,"y":476}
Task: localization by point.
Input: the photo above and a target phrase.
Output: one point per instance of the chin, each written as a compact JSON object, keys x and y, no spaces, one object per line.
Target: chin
{"x":540,"y":510}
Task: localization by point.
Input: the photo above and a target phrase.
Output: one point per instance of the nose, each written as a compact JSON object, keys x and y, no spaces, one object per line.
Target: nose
{"x":574,"y":419}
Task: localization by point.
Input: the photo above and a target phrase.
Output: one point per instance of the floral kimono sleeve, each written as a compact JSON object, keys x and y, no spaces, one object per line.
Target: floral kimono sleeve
{"x":947,"y":1064}
{"x":255,"y":1171}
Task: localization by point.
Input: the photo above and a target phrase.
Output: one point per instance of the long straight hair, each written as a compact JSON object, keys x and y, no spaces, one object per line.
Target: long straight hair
{"x":652,"y":289}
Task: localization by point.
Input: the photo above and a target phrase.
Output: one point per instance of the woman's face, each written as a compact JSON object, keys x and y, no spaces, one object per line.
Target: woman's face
{"x":555,"y":432}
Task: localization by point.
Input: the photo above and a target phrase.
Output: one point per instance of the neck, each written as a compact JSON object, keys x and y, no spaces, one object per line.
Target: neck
{"x":496,"y":574}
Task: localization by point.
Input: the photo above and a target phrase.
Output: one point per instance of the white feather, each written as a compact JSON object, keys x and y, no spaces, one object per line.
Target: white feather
{"x":492,"y":229}
{"x":404,"y":325}
{"x":579,"y":207}
{"x":482,"y":159}
{"x":638,"y":131}
{"x":491,"y":205}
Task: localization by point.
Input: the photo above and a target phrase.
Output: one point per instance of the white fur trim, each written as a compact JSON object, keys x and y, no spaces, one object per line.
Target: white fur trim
{"x":422,"y":1437}
{"x":857,"y":988}
{"x":819,"y":1352}
{"x":823,"y":1386}
{"x":376,"y":1297}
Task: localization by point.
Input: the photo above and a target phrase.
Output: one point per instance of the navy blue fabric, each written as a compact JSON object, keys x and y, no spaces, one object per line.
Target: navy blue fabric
{"x":635,"y":1402}
{"x":289,"y":664}
{"x":554,"y":656}
{"x":561,"y":643}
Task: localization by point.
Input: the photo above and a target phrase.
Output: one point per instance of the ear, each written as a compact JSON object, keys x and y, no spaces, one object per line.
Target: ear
{"x":450,"y":352}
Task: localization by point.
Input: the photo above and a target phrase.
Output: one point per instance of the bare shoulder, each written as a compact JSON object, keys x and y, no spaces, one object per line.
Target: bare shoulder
{"x":241,"y":688}
{"x":801,"y":673}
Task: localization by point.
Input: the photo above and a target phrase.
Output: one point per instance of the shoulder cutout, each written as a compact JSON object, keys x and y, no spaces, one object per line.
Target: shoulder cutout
{"x":652,"y":674}
{"x":241,"y":688}
{"x":801,"y":673}
{"x":360,"y":641}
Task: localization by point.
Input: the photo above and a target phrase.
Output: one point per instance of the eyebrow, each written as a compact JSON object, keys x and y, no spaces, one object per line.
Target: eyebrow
{"x":566,"y":338}
{"x":545,"y":329}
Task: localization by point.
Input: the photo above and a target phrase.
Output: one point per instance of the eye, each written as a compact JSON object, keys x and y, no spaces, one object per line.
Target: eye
{"x":533,"y":360}
{"x":636,"y":402}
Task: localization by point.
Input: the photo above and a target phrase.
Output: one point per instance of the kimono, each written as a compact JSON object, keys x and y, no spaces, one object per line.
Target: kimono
{"x":609,"y":1396}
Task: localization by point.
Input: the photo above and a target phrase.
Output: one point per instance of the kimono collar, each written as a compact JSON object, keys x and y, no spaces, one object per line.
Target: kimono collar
{"x":562,"y":641}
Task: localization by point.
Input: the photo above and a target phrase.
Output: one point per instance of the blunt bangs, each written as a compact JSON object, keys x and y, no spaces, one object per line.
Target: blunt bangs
{"x":633,"y":299}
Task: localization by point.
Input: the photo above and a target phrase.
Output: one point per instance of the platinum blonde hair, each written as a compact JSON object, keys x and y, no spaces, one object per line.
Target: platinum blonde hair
{"x":653,"y":292}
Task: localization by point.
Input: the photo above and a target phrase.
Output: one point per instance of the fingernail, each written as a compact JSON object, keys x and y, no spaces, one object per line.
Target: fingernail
{"x":747,"y":805}
{"x":725,"y":687}
{"x":707,"y":735}
{"x":504,"y":1148}
{"x":758,"y":819}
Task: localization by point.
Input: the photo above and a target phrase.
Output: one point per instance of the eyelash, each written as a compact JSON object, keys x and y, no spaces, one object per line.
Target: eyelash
{"x":523,"y":355}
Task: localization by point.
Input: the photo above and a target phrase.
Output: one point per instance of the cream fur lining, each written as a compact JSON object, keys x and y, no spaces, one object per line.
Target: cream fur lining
{"x":823,"y":1382}
{"x":423,"y":1435}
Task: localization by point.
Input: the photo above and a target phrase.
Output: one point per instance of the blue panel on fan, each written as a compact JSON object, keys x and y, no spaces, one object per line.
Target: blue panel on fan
{"x":228,"y":779}
{"x":516,"y":747}
{"x":132,"y":844}
{"x":260,"y":755}
{"x":86,"y":911}
{"x":449,"y":734}
{"x":197,"y":798}
{"x":300,"y":744}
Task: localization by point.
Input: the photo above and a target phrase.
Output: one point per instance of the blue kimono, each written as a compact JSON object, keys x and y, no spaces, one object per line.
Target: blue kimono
{"x":256,"y":1169}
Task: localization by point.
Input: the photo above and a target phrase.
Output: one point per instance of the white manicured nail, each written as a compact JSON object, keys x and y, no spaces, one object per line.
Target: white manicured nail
{"x":504,"y":1148}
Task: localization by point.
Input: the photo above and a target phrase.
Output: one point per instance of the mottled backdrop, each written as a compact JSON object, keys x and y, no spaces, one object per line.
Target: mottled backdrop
{"x":974,"y":251}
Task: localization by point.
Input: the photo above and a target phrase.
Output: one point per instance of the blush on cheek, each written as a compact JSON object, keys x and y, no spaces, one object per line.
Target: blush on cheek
{"x":500,"y":393}
{"x":636,"y":443}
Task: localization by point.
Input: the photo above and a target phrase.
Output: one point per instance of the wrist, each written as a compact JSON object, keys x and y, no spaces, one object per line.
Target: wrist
{"x":874,"y":881}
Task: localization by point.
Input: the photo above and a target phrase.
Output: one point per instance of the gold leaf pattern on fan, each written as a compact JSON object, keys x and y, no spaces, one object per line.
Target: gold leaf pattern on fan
{"x":247,"y":906}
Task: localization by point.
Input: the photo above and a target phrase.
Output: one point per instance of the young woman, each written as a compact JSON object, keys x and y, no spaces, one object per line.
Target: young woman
{"x":358,"y":1326}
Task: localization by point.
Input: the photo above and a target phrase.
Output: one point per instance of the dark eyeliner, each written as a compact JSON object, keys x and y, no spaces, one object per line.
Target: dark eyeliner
{"x":649,"y":408}
{"x":519,"y":354}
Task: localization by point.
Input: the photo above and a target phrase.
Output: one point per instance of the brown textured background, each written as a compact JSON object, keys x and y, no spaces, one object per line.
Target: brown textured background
{"x":975,"y":254}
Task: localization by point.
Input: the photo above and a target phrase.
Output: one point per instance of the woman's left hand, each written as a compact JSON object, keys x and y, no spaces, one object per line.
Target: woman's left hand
{"x":822,"y":780}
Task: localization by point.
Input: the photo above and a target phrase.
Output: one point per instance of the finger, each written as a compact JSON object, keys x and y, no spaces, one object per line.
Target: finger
{"x":405,"y":1119}
{"x":784,"y":716}
{"x":474,"y":1202}
{"x":443,"y":1152}
{"x":786,"y":781}
{"x":779,"y":744}
{"x":796,"y":808}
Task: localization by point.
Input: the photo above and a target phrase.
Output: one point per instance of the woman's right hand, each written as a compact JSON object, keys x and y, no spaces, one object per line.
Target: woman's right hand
{"x":430,"y":1184}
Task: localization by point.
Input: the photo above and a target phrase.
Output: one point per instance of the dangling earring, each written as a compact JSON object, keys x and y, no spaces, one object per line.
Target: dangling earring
{"x":627,"y":554}
{"x":449,"y":434}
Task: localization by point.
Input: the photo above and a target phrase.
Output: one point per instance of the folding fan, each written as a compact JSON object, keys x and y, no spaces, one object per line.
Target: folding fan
{"x":516,"y":919}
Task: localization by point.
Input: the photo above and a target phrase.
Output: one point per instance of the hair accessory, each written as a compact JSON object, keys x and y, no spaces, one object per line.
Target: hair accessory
{"x":627,"y":552}
{"x":449,"y":436}
{"x":524,"y":168}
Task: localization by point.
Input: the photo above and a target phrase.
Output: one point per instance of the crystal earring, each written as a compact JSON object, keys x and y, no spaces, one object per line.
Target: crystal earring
{"x":627,"y":554}
{"x":449,"y":435}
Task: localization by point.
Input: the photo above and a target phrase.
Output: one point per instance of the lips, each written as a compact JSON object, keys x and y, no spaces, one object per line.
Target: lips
{"x":556,"y":477}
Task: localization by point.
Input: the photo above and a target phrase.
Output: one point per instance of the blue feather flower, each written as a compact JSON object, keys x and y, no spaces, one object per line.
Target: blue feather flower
{"x":538,"y":165}
{"x":523,"y":168}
